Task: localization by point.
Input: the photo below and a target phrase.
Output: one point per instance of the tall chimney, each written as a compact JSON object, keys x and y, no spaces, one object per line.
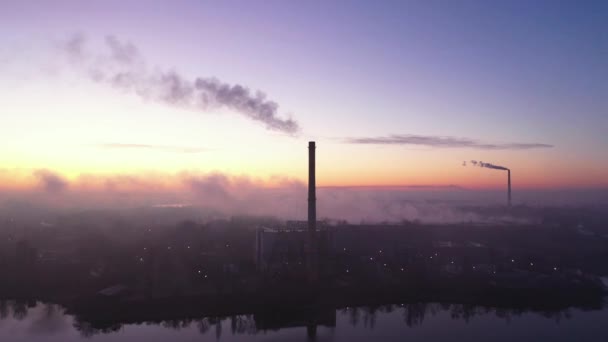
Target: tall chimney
{"x":312,"y":200}
{"x":509,"y":184}
{"x":312,"y":214}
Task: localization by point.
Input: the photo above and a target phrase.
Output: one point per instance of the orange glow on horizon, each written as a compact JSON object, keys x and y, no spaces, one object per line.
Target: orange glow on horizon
{"x":25,"y":180}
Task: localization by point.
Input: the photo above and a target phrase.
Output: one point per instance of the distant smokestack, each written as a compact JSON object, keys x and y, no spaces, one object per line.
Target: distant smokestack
{"x":509,"y":184}
{"x":495,"y":167}
{"x":312,"y":214}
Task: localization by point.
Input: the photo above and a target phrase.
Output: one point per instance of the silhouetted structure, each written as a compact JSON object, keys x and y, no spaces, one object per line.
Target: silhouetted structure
{"x":312,"y":215}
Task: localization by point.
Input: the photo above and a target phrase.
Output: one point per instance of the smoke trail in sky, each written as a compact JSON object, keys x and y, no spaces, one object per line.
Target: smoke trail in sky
{"x":487,"y":165}
{"x":123,"y":67}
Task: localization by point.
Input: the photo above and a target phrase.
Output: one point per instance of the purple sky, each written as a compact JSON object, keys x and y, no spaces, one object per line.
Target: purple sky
{"x":491,"y":73}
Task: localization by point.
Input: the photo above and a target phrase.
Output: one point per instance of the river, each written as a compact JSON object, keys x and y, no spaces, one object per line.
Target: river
{"x":36,"y":321}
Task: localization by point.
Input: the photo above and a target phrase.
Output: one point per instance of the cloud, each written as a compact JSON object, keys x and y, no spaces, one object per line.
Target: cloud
{"x":442,"y":142}
{"x":164,"y":148}
{"x":122,"y":66}
{"x":242,"y":194}
{"x":215,"y":187}
{"x":51,"y":182}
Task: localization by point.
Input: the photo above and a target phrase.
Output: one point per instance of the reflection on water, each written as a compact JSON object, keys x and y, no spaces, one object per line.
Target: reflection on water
{"x":35,"y":321}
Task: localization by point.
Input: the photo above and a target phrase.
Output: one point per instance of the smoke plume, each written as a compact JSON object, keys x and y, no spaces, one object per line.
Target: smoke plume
{"x":488,"y":165}
{"x":123,"y":67}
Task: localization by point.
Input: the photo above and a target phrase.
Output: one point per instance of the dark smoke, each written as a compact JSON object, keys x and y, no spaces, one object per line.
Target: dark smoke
{"x":123,"y":67}
{"x":51,"y":182}
{"x":441,"y":142}
{"x":488,"y":165}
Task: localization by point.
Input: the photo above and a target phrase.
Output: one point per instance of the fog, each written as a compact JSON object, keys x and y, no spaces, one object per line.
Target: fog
{"x":280,"y":197}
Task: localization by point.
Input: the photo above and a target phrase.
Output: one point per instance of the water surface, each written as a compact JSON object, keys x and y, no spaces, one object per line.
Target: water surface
{"x":414,"y":322}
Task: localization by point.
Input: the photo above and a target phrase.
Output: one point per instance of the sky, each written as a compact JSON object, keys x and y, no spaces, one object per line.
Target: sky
{"x":395,"y":93}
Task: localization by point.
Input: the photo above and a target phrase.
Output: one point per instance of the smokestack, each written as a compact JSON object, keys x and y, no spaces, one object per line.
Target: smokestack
{"x":312,"y":200}
{"x":312,"y":213}
{"x":509,"y":184}
{"x":496,"y":167}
